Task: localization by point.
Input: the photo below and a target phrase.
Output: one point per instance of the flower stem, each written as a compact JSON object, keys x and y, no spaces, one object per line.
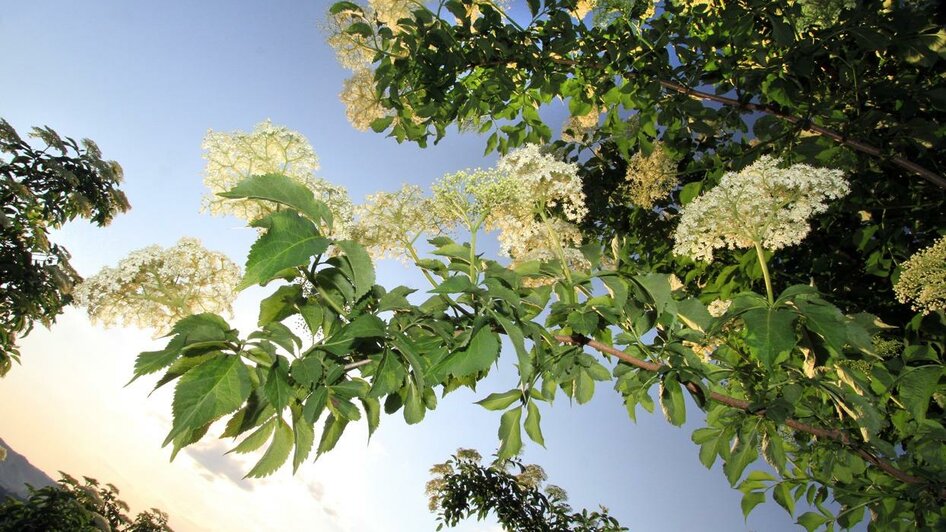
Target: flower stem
{"x":765,"y":272}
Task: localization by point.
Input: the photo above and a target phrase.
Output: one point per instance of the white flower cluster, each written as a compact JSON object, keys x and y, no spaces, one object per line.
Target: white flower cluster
{"x":578,"y":128}
{"x":718,"y":307}
{"x":922,"y":281}
{"x":544,"y":180}
{"x":651,"y":178}
{"x":389,"y":223}
{"x":268,"y":149}
{"x":155,"y":287}
{"x":762,"y":204}
{"x":362,"y":105}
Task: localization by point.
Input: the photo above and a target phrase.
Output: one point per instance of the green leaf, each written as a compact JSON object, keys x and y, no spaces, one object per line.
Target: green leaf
{"x":738,"y":461}
{"x":414,"y":407}
{"x":283,"y":190}
{"x":331,"y":433}
{"x":365,"y":326}
{"x":671,"y":400}
{"x":751,"y":500}
{"x":693,"y":313}
{"x":306,"y":371}
{"x":770,"y":334}
{"x":477,"y":356}
{"x":312,"y":314}
{"x":315,"y":404}
{"x":276,"y":387}
{"x":533,"y":424}
{"x":361,"y":266}
{"x":453,"y":285}
{"x":207,"y":392}
{"x":257,"y":439}
{"x":917,"y":386}
{"x":373,"y":411}
{"x":811,"y":521}
{"x":584,"y":387}
{"x":289,"y":241}
{"x":657,"y":285}
{"x":151,"y":361}
{"x":277,"y":453}
{"x":510,"y":434}
{"x":338,"y":7}
{"x":783,"y":496}
{"x":304,"y":438}
{"x":500,"y":401}
{"x":359,"y":28}
{"x":387,"y":377}
{"x":518,"y":342}
{"x":280,"y":305}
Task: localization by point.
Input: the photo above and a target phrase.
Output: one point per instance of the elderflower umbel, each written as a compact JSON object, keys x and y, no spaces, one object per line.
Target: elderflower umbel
{"x":577,"y":128}
{"x":388,"y":12}
{"x":362,"y":105}
{"x":922,"y":280}
{"x":388,"y":223}
{"x":155,"y":287}
{"x":268,"y":149}
{"x":651,"y":178}
{"x":761,"y":204}
{"x":544,"y":180}
{"x":352,"y":50}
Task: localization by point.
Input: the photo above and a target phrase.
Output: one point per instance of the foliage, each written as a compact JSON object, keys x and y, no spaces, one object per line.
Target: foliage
{"x":72,"y":506}
{"x":796,"y":348}
{"x":462,"y":487}
{"x":41,"y":189}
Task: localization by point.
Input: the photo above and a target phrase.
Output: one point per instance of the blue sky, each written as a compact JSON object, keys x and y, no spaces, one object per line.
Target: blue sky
{"x":146,"y":80}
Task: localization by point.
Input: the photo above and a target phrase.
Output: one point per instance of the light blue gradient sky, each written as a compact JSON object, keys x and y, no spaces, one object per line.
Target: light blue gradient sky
{"x":146,"y":80}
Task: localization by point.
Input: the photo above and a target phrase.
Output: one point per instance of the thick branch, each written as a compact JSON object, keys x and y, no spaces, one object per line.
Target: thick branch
{"x":856,"y":145}
{"x":742,"y":404}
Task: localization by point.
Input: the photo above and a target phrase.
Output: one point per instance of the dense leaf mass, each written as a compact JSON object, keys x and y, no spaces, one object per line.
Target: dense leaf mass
{"x":41,"y":189}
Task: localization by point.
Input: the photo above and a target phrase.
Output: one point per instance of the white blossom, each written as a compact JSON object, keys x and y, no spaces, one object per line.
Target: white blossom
{"x":362,"y":105}
{"x":268,"y":149}
{"x":155,"y":287}
{"x":652,"y":177}
{"x":545,"y":181}
{"x":718,"y":307}
{"x":389,"y":223}
{"x":922,"y":281}
{"x":762,"y":204}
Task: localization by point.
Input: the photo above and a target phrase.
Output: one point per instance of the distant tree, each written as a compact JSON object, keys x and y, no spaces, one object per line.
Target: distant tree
{"x":41,"y":189}
{"x":463,"y":487}
{"x":72,"y":506}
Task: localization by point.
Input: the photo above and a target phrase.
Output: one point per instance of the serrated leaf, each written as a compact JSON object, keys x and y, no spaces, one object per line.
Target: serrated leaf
{"x":783,"y":496}
{"x":207,"y":392}
{"x":331,"y":433}
{"x":533,"y":424}
{"x":672,"y":402}
{"x":387,"y":378}
{"x":917,"y":386}
{"x":255,"y":440}
{"x":500,"y":401}
{"x":751,"y":500}
{"x":510,"y":434}
{"x":453,"y":285}
{"x":289,"y":241}
{"x":361,"y":266}
{"x":277,"y":454}
{"x":304,"y":438}
{"x":276,"y":387}
{"x":518,"y":342}
{"x":770,"y":334}
{"x":315,"y":404}
{"x":306,"y":370}
{"x":477,"y":356}
{"x":284,"y":191}
{"x":373,"y":412}
{"x":811,"y":521}
{"x":280,"y":305}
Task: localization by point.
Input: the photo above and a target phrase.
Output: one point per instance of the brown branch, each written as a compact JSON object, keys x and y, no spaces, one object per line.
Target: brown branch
{"x":856,"y":145}
{"x":742,"y":404}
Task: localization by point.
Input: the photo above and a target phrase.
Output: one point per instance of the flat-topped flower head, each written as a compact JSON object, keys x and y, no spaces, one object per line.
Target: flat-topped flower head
{"x":156,"y":287}
{"x":761,"y":204}
{"x":922,"y":280}
{"x":362,"y":105}
{"x":389,"y":223}
{"x":545,"y":181}
{"x":268,"y":149}
{"x":652,"y":177}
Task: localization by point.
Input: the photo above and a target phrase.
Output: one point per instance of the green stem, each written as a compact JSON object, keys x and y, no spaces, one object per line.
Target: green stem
{"x":765,"y":272}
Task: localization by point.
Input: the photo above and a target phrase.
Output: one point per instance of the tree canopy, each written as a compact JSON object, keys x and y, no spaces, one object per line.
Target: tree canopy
{"x":41,"y":189}
{"x":746,"y":206}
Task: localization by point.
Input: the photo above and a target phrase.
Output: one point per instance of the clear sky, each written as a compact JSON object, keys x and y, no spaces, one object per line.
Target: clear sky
{"x":146,"y":80}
